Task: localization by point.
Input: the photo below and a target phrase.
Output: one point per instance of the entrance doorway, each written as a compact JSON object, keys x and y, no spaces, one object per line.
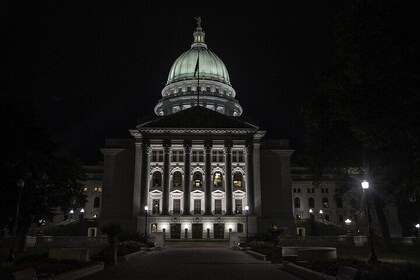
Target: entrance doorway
{"x":175,"y":231}
{"x":219,"y":231}
{"x":197,"y":231}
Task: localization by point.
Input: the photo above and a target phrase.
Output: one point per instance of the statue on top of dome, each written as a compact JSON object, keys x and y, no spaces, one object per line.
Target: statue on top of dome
{"x":198,"y":22}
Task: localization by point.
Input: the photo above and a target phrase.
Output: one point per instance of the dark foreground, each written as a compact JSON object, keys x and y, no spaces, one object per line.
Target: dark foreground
{"x":194,"y":263}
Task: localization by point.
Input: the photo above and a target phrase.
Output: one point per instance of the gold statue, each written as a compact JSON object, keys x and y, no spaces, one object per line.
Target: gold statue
{"x":198,"y":19}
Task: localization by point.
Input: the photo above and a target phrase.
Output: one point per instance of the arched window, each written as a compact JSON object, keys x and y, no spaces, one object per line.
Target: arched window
{"x":297,"y":202}
{"x":325,"y":202}
{"x":177,"y":179}
{"x":197,"y":179}
{"x":157,"y":179}
{"x":96,"y":202}
{"x":311,"y":202}
{"x":217,"y":179}
{"x":339,"y":202}
{"x":237,"y":180}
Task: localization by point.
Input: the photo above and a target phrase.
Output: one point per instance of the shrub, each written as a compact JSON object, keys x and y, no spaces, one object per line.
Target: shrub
{"x":112,"y":230}
{"x":392,"y":271}
{"x":135,"y":245}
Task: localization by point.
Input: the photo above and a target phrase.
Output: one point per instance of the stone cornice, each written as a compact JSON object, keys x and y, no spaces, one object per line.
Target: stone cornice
{"x":196,"y":131}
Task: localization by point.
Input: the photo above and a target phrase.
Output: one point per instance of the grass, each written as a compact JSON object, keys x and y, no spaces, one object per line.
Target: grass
{"x":399,"y":255}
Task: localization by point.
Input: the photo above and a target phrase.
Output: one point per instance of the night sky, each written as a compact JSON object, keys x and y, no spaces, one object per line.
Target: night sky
{"x":97,"y":67}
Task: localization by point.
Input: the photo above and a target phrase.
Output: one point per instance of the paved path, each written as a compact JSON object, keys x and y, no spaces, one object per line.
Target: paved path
{"x":194,"y":263}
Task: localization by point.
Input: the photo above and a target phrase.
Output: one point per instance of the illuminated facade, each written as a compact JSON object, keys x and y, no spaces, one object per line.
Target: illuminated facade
{"x":196,"y":168}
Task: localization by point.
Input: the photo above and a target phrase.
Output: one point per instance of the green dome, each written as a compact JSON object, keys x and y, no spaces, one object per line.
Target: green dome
{"x":211,"y":67}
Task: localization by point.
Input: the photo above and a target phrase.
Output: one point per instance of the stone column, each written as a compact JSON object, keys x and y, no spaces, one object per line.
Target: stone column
{"x":207,"y":150}
{"x":137,"y":193}
{"x":166,"y":162}
{"x":250,"y":178}
{"x":257,"y":179}
{"x":146,"y":152}
{"x":228,"y":165}
{"x":187,"y":179}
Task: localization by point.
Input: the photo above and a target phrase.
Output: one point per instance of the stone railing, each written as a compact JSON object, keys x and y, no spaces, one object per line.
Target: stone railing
{"x":66,"y":241}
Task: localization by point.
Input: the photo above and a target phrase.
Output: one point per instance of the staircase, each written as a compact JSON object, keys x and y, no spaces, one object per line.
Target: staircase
{"x":196,"y":243}
{"x":72,"y":228}
{"x":320,"y":228}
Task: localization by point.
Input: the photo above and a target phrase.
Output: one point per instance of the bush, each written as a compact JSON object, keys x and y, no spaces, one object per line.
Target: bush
{"x":135,"y":245}
{"x":132,"y":236}
{"x":112,"y":230}
{"x":392,"y":271}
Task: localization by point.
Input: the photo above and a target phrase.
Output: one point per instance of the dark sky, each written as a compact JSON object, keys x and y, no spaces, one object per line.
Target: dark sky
{"x":96,"y":67}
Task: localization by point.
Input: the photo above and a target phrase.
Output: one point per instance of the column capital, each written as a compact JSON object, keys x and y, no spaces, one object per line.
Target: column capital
{"x":167,"y":148}
{"x":248,"y":149}
{"x":227,"y":149}
{"x":147,"y":149}
{"x":207,"y":149}
{"x":187,"y":148}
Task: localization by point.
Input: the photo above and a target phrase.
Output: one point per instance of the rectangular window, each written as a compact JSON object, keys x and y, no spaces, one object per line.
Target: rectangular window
{"x":313,"y":190}
{"x":217,"y":156}
{"x":240,"y":228}
{"x":218,"y":206}
{"x":177,"y":156}
{"x":309,"y":190}
{"x":237,"y":156}
{"x":177,"y":206}
{"x":238,"y":206}
{"x":298,"y":190}
{"x":322,"y":190}
{"x":326,"y":190}
{"x":157,"y":156}
{"x":153,"y":228}
{"x":197,"y":206}
{"x":197,"y":156}
{"x":294,"y":190}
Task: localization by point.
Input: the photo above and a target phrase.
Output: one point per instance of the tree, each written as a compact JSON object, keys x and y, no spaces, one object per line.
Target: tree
{"x":366,"y":109}
{"x":52,"y":179}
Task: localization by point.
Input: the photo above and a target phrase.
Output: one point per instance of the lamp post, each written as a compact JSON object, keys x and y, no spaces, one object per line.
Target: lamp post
{"x":348,"y":223}
{"x":20,"y":184}
{"x":71,"y":214}
{"x":373,"y":257}
{"x":246,"y":219}
{"x":311,"y":214}
{"x":82,"y":212}
{"x":322,"y":215}
{"x":418,"y":229}
{"x":146,"y":209}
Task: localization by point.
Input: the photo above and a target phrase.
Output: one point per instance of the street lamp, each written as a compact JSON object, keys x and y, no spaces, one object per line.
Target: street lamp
{"x":246,"y":216}
{"x":418,"y":229}
{"x":322,"y":216}
{"x":20,"y":184}
{"x":348,"y":223}
{"x":146,"y":209}
{"x":71,"y":214}
{"x":373,"y":257}
{"x":311,"y":213}
{"x":82,"y":212}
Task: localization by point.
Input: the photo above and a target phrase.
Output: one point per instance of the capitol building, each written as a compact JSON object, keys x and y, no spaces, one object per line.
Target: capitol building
{"x":199,"y":171}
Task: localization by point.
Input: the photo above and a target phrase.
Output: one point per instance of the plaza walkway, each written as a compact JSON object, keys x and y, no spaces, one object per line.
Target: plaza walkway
{"x":194,"y":263}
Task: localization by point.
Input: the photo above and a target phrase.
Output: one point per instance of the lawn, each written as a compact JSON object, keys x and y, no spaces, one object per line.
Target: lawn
{"x":399,"y":255}
{"x":41,"y":264}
